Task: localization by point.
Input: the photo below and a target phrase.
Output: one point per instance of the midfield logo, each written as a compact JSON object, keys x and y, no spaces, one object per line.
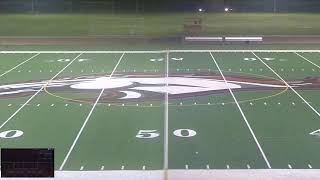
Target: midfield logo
{"x":143,"y":86}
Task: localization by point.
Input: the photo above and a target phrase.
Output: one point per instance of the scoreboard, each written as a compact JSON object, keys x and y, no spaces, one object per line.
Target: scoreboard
{"x":27,"y":162}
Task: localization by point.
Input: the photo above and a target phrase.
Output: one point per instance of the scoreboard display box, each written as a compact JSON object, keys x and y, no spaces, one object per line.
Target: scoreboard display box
{"x":27,"y":162}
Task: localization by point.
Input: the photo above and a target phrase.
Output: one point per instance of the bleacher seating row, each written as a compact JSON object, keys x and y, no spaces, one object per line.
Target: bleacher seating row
{"x":223,"y":39}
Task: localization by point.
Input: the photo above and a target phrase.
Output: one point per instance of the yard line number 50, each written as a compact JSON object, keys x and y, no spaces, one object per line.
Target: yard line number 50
{"x":149,"y":134}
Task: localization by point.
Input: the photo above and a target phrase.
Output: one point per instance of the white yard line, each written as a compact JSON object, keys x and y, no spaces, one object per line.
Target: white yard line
{"x":243,"y":115}
{"x":306,"y":102}
{"x":307,"y":60}
{"x":87,"y":118}
{"x":40,"y":90}
{"x":166,"y":116}
{"x":19,"y":65}
{"x":155,"y":51}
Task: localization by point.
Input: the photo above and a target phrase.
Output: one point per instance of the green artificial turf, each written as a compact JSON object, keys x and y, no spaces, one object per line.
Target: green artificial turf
{"x":281,"y":121}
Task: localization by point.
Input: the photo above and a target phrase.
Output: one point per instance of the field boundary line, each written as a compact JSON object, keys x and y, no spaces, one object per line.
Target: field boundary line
{"x":306,"y":102}
{"x":154,"y":51}
{"x":88,"y":117}
{"x":307,"y":60}
{"x":19,"y":65}
{"x":243,"y":115}
{"x":40,"y":90}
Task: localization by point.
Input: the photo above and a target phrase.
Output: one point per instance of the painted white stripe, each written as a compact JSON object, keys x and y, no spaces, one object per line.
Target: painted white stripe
{"x":307,"y":60}
{"x":311,"y":107}
{"x":87,"y":118}
{"x":156,"y":52}
{"x":18,"y":65}
{"x":242,"y":113}
{"x":166,"y":116}
{"x":40,"y":90}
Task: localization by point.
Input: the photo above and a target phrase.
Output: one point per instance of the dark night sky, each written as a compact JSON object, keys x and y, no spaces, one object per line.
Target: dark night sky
{"x":159,"y":5}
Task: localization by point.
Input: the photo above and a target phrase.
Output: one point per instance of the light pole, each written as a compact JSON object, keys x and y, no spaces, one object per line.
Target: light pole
{"x":137,"y":6}
{"x":32,"y":6}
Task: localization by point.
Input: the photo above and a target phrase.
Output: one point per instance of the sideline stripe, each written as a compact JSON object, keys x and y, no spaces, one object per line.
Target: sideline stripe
{"x":40,"y":90}
{"x":156,"y":51}
{"x":244,"y":117}
{"x":314,"y":110}
{"x":87,"y":118}
{"x":307,"y":60}
{"x":19,"y":65}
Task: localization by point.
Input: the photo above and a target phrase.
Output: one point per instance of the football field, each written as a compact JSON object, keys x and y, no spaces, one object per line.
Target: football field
{"x":168,"y":109}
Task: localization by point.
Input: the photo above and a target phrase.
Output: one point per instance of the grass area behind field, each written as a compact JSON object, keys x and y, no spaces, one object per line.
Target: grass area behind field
{"x":157,"y":25}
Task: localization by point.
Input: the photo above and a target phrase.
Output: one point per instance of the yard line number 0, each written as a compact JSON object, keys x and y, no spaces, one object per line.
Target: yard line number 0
{"x":10,"y":134}
{"x":149,"y":134}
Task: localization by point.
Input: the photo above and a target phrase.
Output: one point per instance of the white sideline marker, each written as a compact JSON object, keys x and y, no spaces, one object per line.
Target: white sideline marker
{"x":18,"y":65}
{"x":88,"y":117}
{"x":314,"y":110}
{"x":40,"y":90}
{"x":157,"y":52}
{"x":243,"y":115}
